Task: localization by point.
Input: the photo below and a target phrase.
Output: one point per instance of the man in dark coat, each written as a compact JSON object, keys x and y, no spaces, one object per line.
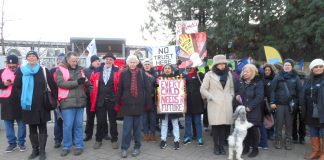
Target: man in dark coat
{"x":132,"y":100}
{"x":105,"y":82}
{"x":95,"y":64}
{"x":10,"y":105}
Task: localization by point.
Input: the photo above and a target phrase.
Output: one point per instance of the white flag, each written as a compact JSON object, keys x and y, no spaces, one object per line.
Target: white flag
{"x":92,"y":49}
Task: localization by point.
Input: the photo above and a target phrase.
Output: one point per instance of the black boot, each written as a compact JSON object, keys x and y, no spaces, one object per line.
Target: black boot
{"x":254,"y":153}
{"x":35,"y":145}
{"x":42,"y":145}
{"x":246,"y":150}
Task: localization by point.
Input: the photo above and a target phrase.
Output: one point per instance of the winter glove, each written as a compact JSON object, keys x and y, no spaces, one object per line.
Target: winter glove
{"x":81,"y":81}
{"x":117,"y":109}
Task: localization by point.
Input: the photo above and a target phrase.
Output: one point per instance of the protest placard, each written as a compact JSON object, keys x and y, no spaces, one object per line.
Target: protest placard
{"x":187,"y":27}
{"x":171,"y":96}
{"x":192,"y":49}
{"x":164,"y":55}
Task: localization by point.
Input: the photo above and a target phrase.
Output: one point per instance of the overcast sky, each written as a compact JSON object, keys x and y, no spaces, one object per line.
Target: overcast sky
{"x":58,"y":20}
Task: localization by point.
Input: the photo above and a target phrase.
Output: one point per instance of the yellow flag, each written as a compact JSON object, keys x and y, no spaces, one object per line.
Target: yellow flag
{"x":272,"y":55}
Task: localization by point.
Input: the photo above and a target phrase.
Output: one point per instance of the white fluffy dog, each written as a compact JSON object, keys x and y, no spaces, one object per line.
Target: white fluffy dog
{"x":235,"y":140}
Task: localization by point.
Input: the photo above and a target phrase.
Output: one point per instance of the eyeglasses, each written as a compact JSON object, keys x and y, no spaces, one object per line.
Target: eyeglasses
{"x":318,"y":66}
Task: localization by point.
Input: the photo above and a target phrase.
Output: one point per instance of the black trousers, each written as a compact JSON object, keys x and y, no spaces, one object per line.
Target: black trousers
{"x":35,"y":129}
{"x":299,"y":129}
{"x":102,"y":126}
{"x":252,"y":138}
{"x":220,"y":134}
{"x":90,"y":123}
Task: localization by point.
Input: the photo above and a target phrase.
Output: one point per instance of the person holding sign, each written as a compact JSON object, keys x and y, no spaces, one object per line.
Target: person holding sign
{"x":219,"y":83}
{"x":195,"y":105}
{"x":168,"y":73}
{"x":132,"y":100}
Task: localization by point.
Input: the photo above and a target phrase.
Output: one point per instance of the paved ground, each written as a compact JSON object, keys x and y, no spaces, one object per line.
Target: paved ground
{"x":150,"y":151}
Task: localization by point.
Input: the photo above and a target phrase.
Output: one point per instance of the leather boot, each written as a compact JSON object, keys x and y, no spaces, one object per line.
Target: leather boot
{"x":146,"y":137}
{"x":316,"y":149}
{"x":322,"y":152}
{"x":35,"y":145}
{"x":254,"y":153}
{"x":42,"y":145}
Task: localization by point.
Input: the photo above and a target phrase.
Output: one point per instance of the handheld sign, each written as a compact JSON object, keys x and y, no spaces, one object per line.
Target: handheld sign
{"x":171,"y":96}
{"x":164,"y":55}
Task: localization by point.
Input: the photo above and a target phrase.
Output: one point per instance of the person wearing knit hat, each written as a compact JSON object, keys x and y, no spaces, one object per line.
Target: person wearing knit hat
{"x":291,"y":61}
{"x":10,"y":106}
{"x":12,"y":59}
{"x":316,"y":62}
{"x":32,"y":53}
{"x":146,"y":61}
{"x":285,"y":98}
{"x":94,"y":58}
{"x":313,"y":99}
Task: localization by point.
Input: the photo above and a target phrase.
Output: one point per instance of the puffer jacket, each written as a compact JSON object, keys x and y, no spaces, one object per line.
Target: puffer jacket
{"x":77,"y":96}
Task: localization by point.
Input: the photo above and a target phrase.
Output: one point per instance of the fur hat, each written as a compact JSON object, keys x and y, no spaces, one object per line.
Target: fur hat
{"x":292,"y":62}
{"x":33,"y":53}
{"x":219,"y":59}
{"x":316,"y":62}
{"x":12,"y":59}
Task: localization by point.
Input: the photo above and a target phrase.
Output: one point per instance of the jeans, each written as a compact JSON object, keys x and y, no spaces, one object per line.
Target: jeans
{"x":10,"y":132}
{"x":58,"y":129}
{"x":73,"y":122}
{"x":131,"y":122}
{"x":164,"y":129}
{"x":316,"y":132}
{"x":149,"y":121}
{"x":188,"y":129}
{"x":264,"y":137}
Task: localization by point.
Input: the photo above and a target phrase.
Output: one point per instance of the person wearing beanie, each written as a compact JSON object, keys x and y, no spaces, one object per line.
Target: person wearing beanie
{"x":10,"y":106}
{"x":95,"y":64}
{"x":30,"y":80}
{"x":219,"y":83}
{"x":32,"y":53}
{"x":313,"y":105}
{"x":58,"y":121}
{"x":285,"y":99}
{"x":149,"y":116}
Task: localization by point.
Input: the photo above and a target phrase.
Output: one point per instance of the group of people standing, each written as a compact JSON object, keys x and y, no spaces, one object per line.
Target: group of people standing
{"x":105,"y":90}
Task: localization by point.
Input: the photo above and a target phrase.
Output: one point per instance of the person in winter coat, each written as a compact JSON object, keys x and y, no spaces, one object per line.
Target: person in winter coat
{"x":218,"y":88}
{"x":31,"y":81}
{"x":269,"y":74}
{"x":58,"y":121}
{"x":95,"y":64}
{"x":251,"y":95}
{"x":285,"y":98}
{"x":168,"y":72}
{"x":132,"y":100}
{"x":10,"y":105}
{"x":104,"y":82}
{"x":70,"y":81}
{"x":195,"y":105}
{"x":313,"y":108}
{"x":149,"y":116}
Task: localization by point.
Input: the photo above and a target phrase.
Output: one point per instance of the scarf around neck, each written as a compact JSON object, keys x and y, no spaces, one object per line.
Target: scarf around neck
{"x":28,"y":85}
{"x":133,"y":88}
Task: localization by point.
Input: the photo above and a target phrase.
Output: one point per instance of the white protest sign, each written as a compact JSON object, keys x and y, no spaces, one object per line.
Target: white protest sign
{"x":186,"y":27}
{"x":164,"y":55}
{"x":171,"y":96}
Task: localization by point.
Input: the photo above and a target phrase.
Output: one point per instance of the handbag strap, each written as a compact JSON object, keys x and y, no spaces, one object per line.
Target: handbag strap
{"x":287,"y":90}
{"x":199,"y":78}
{"x":44,"y":73}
